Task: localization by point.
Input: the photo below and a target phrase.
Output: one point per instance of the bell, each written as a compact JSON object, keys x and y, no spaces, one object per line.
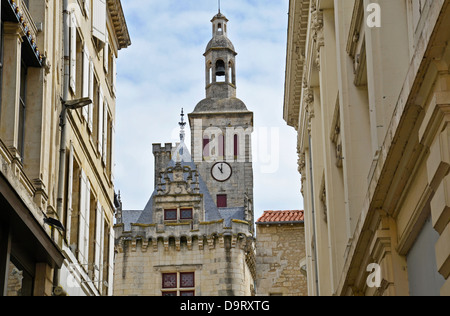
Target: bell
{"x":220,"y":71}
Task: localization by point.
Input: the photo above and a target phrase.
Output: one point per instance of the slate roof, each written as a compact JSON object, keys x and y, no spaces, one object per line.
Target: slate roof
{"x":230,"y":213}
{"x":280,"y":217}
{"x":130,"y":216}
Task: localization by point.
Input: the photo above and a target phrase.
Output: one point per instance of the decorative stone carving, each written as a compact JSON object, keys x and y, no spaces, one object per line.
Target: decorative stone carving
{"x":317,"y":24}
{"x":308,"y":100}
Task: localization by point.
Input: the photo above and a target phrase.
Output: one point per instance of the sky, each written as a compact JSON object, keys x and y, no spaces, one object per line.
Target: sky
{"x":163,"y":71}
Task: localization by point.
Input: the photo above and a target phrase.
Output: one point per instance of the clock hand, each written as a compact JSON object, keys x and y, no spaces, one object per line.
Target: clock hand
{"x":221,"y":169}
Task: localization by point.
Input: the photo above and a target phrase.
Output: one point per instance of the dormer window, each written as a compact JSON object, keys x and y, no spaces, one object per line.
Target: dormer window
{"x":186,"y":213}
{"x":170,"y":215}
{"x":178,"y":214}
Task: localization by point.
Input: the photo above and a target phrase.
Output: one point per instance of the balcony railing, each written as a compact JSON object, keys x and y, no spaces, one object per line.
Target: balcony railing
{"x":22,"y":15}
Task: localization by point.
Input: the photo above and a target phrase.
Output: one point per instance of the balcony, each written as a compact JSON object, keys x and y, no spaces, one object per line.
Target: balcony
{"x":17,"y":11}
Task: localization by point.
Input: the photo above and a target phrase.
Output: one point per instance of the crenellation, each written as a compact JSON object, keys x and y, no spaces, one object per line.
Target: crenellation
{"x":210,"y":231}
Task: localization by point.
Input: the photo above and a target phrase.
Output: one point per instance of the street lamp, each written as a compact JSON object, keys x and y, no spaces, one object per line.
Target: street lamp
{"x":66,"y":105}
{"x":54,"y":223}
{"x":77,"y":104}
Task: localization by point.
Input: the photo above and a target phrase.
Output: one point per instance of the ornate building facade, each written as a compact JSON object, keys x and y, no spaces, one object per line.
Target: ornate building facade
{"x":368,"y":89}
{"x":195,"y":236}
{"x":57,"y":117}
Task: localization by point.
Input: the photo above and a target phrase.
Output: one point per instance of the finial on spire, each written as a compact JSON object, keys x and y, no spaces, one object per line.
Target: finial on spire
{"x":182,"y":126}
{"x":219,"y":6}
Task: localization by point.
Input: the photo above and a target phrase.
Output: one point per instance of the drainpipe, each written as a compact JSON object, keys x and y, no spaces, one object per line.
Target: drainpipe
{"x":63,"y":117}
{"x":62,"y":124}
{"x":316,"y":273}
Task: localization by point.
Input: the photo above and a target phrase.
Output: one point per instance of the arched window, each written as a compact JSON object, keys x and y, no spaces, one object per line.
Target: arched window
{"x":222,"y":151}
{"x":206,"y":151}
{"x":209,"y":75}
{"x":220,"y":71}
{"x":231,"y":73}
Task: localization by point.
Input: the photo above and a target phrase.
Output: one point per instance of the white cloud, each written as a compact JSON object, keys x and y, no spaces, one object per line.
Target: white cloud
{"x":163,"y":71}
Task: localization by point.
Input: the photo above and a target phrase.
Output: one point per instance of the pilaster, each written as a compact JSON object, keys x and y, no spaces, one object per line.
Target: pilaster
{"x":383,"y":251}
{"x":438,"y":168}
{"x":9,"y":120}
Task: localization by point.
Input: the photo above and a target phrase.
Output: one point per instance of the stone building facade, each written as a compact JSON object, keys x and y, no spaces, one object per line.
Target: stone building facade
{"x":368,"y":89}
{"x":280,"y":254}
{"x":195,"y":236}
{"x":57,"y":117}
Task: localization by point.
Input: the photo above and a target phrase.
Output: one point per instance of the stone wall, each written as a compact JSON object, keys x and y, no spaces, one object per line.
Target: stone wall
{"x":219,"y":265}
{"x":280,"y":255}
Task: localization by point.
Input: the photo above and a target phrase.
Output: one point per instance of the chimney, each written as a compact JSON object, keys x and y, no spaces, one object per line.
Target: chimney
{"x":163,"y":155}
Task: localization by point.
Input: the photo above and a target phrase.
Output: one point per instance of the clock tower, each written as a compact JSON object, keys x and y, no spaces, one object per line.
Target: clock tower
{"x":196,"y":234}
{"x":221,"y":128}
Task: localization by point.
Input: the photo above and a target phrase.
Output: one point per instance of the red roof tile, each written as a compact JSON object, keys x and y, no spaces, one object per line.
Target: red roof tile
{"x":281,"y":217}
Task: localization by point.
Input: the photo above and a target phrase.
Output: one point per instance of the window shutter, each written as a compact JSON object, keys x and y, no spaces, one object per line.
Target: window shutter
{"x":99,"y":19}
{"x":91,"y":79}
{"x":86,"y":69}
{"x":91,"y":95}
{"x":69,"y":193}
{"x":98,"y":244}
{"x":87,"y":7}
{"x":113,"y":75}
{"x":73,"y":52}
{"x":86,"y":223}
{"x":113,"y":136}
{"x":106,"y":52}
{"x":100,"y":122}
{"x":102,"y":245}
{"x":86,"y":79}
{"x":105,"y":132}
{"x":82,"y":219}
{"x":111,"y":262}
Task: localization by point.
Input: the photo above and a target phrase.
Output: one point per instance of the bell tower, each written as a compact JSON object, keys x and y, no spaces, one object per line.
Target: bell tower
{"x":220,"y":61}
{"x":221,"y":129}
{"x":199,"y":220}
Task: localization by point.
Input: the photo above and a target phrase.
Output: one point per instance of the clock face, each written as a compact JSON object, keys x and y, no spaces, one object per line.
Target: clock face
{"x":221,"y":171}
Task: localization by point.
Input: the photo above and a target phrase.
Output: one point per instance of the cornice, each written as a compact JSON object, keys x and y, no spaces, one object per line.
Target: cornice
{"x":119,"y":23}
{"x":295,"y":56}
